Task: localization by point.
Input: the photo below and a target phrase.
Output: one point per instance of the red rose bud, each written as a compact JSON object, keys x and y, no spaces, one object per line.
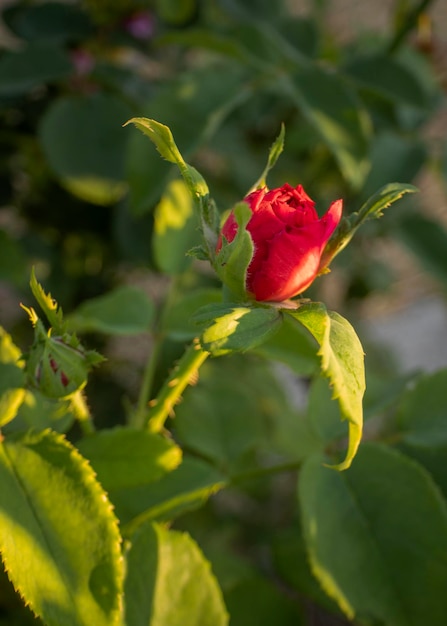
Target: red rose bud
{"x":289,"y":239}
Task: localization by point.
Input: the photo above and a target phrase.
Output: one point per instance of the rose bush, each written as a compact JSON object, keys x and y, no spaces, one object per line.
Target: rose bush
{"x":289,"y":239}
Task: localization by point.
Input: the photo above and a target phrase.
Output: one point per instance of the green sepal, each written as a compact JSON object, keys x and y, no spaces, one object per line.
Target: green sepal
{"x":231,"y":264}
{"x":126,"y":310}
{"x":50,"y":307}
{"x":163,"y":140}
{"x":199,"y":252}
{"x":342,"y":362}
{"x":372,"y":209}
{"x":274,"y":154}
{"x":58,"y":366}
{"x":234,"y":328}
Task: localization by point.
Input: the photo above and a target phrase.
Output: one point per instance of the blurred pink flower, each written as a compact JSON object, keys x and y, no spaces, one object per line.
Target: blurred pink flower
{"x":140,"y":25}
{"x":83,"y":61}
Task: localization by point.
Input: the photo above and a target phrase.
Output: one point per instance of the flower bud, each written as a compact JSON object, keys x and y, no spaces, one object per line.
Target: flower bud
{"x":288,"y":238}
{"x":58,"y":366}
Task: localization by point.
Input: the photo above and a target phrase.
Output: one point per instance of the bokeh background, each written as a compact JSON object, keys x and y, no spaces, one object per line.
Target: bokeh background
{"x":361,"y":89}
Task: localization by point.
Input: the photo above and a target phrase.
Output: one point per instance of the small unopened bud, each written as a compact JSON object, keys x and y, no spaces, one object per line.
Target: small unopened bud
{"x":59,"y":366}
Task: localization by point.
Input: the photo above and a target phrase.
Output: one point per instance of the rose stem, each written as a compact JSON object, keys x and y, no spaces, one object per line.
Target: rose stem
{"x":138,"y":417}
{"x":161,"y":407}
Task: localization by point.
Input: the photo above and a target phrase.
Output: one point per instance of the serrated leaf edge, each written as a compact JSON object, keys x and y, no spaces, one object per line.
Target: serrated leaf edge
{"x":110,"y":519}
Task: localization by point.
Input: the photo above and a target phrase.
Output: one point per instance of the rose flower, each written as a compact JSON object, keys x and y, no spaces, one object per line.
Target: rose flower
{"x":289,"y":239}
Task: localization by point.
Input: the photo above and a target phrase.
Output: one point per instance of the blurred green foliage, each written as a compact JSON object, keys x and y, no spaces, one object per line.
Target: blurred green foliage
{"x":93,"y":207}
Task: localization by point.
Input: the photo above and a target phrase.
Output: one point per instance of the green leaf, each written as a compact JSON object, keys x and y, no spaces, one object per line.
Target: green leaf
{"x":324,"y":413}
{"x":124,"y":458}
{"x":393,"y":157}
{"x":265,"y":47}
{"x":92,"y":170}
{"x":252,"y":599}
{"x":231,"y":412}
{"x":184,"y":489}
{"x":34,"y":65}
{"x":291,"y":562}
{"x":178,"y":322}
{"x":175,"y":229}
{"x":49,"y":306}
{"x":294,"y":436}
{"x":386,"y":76}
{"x":443,"y":163}
{"x":95,"y":190}
{"x":13,"y":264}
{"x":221,"y":43}
{"x":301,"y":32}
{"x":372,"y":209}
{"x":12,"y":379}
{"x":342,"y":363}
{"x":175,"y":13}
{"x":375,"y":205}
{"x":163,"y":140}
{"x":39,"y":412}
{"x":292,"y":346}
{"x":233,"y":259}
{"x":274,"y":154}
{"x":427,"y":239}
{"x":9,"y":352}
{"x":168,"y":581}
{"x":58,"y":536}
{"x":126,"y":310}
{"x":421,"y":414}
{"x":49,"y":22}
{"x":12,"y":392}
{"x":368,"y":532}
{"x":201,"y":117}
{"x":331,"y":106}
{"x":422,"y":424}
{"x":232,"y":328}
{"x":257,"y":601}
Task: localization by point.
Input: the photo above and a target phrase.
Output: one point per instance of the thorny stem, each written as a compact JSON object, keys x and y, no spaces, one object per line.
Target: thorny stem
{"x":182,"y":374}
{"x":139,"y":416}
{"x":82,"y":412}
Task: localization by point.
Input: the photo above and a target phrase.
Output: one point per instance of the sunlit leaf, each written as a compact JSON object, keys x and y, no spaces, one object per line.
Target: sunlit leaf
{"x":169,"y":581}
{"x":230,"y":328}
{"x":12,"y":379}
{"x":175,"y":228}
{"x":58,"y":536}
{"x":341,"y":356}
{"x":124,"y":458}
{"x":93,"y":169}
{"x":126,"y":310}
